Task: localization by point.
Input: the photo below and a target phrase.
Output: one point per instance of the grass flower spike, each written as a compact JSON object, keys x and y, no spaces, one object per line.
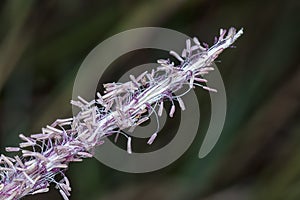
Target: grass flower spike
{"x":45,"y":156}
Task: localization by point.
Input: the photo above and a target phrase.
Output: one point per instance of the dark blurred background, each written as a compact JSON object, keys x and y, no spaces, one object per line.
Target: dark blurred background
{"x":258,"y":155}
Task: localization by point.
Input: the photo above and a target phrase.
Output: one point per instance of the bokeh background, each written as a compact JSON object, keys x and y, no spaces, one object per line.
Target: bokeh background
{"x":43,"y":43}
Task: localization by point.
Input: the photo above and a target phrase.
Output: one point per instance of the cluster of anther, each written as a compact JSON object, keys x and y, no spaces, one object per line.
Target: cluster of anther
{"x":45,"y":156}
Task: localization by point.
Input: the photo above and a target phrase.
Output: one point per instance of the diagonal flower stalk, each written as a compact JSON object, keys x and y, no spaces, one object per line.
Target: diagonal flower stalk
{"x":46,"y":156}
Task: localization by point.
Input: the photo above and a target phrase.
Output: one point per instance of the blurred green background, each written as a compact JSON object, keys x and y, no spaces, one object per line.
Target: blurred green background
{"x":258,"y":155}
